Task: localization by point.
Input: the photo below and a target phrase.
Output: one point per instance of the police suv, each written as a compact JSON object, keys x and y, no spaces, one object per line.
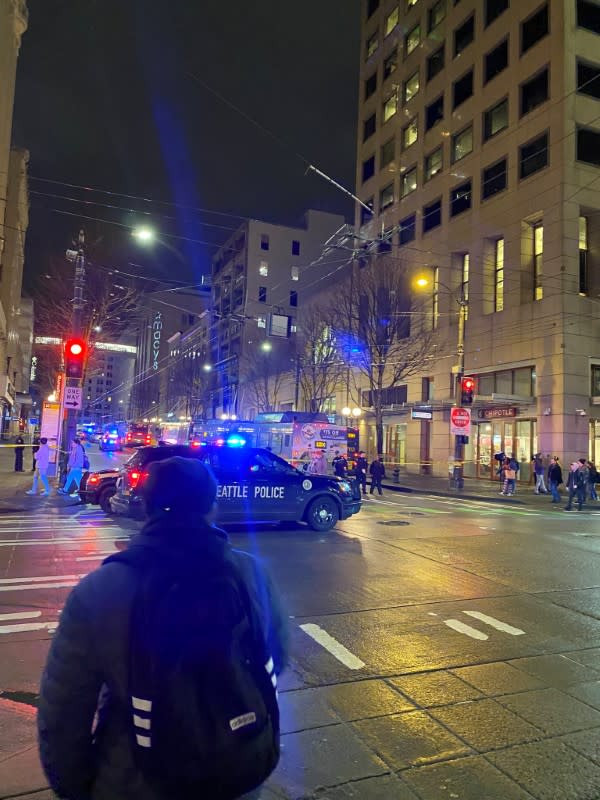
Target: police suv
{"x":255,"y":485}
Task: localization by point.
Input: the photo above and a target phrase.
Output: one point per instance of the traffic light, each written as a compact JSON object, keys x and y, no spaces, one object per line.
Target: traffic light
{"x":467,"y":390}
{"x":75,"y":350}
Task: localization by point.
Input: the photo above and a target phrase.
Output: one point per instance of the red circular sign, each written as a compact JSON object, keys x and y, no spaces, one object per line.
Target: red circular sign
{"x":460,"y":417}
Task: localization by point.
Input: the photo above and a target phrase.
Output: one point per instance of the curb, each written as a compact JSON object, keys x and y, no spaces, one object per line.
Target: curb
{"x":457,"y":494}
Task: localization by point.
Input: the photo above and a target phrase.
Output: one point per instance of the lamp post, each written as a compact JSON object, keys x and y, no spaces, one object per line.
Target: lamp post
{"x":457,"y":481}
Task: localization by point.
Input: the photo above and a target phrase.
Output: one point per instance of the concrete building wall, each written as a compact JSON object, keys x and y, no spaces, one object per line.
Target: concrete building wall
{"x":554,"y":333}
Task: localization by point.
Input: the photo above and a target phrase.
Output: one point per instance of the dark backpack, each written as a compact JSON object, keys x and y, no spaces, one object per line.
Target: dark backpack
{"x":202,"y":687}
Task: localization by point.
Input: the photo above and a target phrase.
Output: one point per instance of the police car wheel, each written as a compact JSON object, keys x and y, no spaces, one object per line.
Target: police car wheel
{"x":322,"y":514}
{"x":104,"y":500}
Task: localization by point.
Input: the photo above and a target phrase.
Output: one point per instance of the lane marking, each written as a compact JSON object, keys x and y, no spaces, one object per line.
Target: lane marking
{"x":21,"y":615}
{"x":495,"y":623}
{"x":97,"y":557}
{"x":332,"y":645}
{"x":460,"y":627}
{"x":74,"y":540}
{"x":28,"y":626}
{"x":21,"y":587}
{"x":42,"y":579}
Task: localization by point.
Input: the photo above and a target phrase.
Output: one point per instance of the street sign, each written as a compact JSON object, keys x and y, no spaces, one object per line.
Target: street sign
{"x":34,"y":420}
{"x":460,"y":421}
{"x":72,"y":397}
{"x":421,"y":413}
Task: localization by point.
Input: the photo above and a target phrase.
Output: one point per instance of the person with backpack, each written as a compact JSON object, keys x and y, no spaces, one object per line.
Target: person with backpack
{"x":173,"y":646}
{"x":377,"y":472}
{"x":77,"y":463}
{"x":509,"y":474}
{"x":576,"y":486}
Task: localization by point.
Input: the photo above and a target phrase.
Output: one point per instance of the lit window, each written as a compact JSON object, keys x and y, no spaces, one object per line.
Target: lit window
{"x":295,"y":273}
{"x":462,"y":144}
{"x":372,"y":44}
{"x":262,"y":322}
{"x":390,"y":107}
{"x":538,"y":254}
{"x":410,"y":133}
{"x":433,"y":163}
{"x":409,"y":181}
{"x":464,"y":284}
{"x":499,"y":275}
{"x":411,"y":3}
{"x":435,"y":299}
{"x":411,"y":87}
{"x":583,"y":250}
{"x":436,"y":14}
{"x":263,"y":269}
{"x":412,"y":39}
{"x":391,"y":21}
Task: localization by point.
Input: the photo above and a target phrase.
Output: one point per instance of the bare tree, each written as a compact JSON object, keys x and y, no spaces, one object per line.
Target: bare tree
{"x":320,"y":367}
{"x":111,"y":310}
{"x":265,"y":374}
{"x":384,"y":332}
{"x":189,"y":385}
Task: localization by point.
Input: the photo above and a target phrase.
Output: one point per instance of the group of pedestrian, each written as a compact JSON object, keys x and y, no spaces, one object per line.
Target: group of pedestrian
{"x":361,"y":469}
{"x":581,"y":482}
{"x":77,"y":463}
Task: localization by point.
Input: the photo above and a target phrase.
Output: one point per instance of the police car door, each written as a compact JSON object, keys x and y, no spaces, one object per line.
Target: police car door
{"x":232,"y":491}
{"x":274,"y":487}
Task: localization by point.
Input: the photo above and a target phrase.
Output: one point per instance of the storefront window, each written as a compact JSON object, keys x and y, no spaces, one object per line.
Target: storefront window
{"x":504,"y":382}
{"x":525,"y":447}
{"x":595,"y":441}
{"x":396,"y":444}
{"x":486,"y":385}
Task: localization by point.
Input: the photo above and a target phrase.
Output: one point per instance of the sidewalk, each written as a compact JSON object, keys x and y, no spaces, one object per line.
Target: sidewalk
{"x":474,"y":489}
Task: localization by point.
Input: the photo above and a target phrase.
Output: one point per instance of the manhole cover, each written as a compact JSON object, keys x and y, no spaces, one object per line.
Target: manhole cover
{"x":392,"y":522}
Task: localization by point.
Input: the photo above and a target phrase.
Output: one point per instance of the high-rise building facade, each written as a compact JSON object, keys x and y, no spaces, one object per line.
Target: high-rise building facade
{"x":479,"y":152}
{"x":258,"y":276}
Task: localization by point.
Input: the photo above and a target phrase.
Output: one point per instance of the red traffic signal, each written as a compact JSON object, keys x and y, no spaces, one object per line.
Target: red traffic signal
{"x":467,"y":390}
{"x":75,"y":350}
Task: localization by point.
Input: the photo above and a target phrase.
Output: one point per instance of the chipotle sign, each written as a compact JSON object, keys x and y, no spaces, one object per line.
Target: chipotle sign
{"x":499,"y":412}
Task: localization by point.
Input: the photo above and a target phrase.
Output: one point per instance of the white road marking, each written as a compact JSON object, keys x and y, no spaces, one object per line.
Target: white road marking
{"x":459,"y":626}
{"x":28,"y":626}
{"x":21,"y":587}
{"x":21,"y":615}
{"x":97,"y":557}
{"x":35,"y":542}
{"x":41,"y":579}
{"x":495,"y":623}
{"x":332,"y":645}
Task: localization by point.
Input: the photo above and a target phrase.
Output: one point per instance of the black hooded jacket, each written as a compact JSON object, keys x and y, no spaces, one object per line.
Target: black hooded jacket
{"x":86,"y":672}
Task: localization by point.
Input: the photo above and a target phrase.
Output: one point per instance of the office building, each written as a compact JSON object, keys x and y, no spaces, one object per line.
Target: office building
{"x":479,"y":152}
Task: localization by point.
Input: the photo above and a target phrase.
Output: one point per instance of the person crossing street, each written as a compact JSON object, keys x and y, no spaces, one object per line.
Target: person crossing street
{"x":377,"y":472}
{"x":41,"y":469}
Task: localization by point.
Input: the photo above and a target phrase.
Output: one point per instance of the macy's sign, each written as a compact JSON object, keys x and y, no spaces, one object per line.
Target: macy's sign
{"x":156,"y":334}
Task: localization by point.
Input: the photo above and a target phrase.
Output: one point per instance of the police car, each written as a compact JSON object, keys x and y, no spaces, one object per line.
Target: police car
{"x":255,"y":485}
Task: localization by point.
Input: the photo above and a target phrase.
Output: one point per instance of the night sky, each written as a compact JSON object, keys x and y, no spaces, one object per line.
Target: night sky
{"x":105,"y":99}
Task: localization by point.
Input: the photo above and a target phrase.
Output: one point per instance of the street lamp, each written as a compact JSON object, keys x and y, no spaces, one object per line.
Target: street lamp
{"x":143,"y":234}
{"x":459,"y":447}
{"x":207,"y":367}
{"x":266,"y":347}
{"x":351,"y":412}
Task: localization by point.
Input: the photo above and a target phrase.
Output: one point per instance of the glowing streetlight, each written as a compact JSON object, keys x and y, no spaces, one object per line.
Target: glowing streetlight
{"x":346,"y":412}
{"x":143,"y":234}
{"x":356,"y":412}
{"x":207,"y":367}
{"x":422,"y":282}
{"x":52,"y":397}
{"x":266,"y":347}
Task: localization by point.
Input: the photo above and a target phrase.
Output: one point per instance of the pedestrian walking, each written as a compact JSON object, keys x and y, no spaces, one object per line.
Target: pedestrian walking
{"x":377,"y":472}
{"x":340,"y":465}
{"x":34,"y":449}
{"x":41,"y":469}
{"x":161,"y":678}
{"x":75,"y":466}
{"x":584,"y":474}
{"x":555,"y":479}
{"x":592,"y":480}
{"x":538,"y":471}
{"x":361,"y":471}
{"x":576,"y":486}
{"x":19,"y":450}
{"x":509,"y":474}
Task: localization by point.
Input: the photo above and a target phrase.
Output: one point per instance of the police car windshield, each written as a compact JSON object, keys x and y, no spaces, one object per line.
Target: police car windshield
{"x":262,"y":460}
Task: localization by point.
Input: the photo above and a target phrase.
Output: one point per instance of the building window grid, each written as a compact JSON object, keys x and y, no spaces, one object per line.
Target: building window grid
{"x":372,"y":44}
{"x":538,"y":256}
{"x":433,"y":163}
{"x":464,"y":35}
{"x":390,"y":106}
{"x":534,"y":91}
{"x":534,"y":28}
{"x":462,"y":89}
{"x":461,"y":198}
{"x":409,"y":181}
{"x":435,"y":299}
{"x":386,"y":197}
{"x":388,"y":153}
{"x":263,"y":269}
{"x":435,"y":63}
{"x":434,"y":113}
{"x":493,"y":9}
{"x":494,"y":179}
{"x":436,"y":14}
{"x":499,"y":275}
{"x":390,"y":64}
{"x":533,"y":156}
{"x":496,"y":61}
{"x":495,"y":119}
{"x":391,"y":21}
{"x":371,"y":85}
{"x":588,"y":78}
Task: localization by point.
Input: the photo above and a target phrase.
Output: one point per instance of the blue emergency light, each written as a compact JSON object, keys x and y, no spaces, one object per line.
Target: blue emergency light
{"x":236,"y":441}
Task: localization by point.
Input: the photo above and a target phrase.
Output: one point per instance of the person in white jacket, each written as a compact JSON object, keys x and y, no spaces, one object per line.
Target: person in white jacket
{"x":42,"y":459}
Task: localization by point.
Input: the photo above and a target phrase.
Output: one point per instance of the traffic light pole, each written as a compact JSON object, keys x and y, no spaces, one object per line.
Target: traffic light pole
{"x":78,"y":256}
{"x":459,"y":447}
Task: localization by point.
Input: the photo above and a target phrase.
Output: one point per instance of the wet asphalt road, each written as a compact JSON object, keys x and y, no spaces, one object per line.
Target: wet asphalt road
{"x":441,"y":648}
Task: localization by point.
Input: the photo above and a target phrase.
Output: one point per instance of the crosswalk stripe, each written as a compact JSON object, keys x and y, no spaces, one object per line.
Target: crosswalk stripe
{"x":20,"y":615}
{"x":40,"y":579}
{"x":28,"y":626}
{"x":495,"y":623}
{"x":21,"y":587}
{"x":460,"y":627}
